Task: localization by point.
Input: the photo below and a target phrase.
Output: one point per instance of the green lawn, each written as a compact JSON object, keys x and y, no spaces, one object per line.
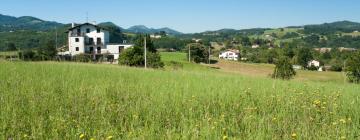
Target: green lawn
{"x":50,"y":100}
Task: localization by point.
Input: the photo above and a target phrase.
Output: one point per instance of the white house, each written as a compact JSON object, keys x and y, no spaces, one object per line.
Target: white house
{"x":229,"y":55}
{"x":314,"y":63}
{"x":91,"y":39}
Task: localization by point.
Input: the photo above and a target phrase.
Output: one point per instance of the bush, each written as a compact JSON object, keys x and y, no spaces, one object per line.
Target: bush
{"x":199,"y":53}
{"x":283,"y":69}
{"x":27,"y":55}
{"x":135,"y":56}
{"x":82,"y":58}
{"x":353,"y":68}
{"x":336,"y":67}
{"x":313,"y":68}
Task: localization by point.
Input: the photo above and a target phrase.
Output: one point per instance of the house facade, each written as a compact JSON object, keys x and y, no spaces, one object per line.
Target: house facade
{"x":314,"y":63}
{"x":91,"y":39}
{"x":229,"y":55}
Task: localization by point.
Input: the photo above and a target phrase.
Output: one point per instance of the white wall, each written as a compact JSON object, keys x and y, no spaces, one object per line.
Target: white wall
{"x":73,"y":44}
{"x":229,"y":55}
{"x":114,"y":49}
{"x":84,"y":37}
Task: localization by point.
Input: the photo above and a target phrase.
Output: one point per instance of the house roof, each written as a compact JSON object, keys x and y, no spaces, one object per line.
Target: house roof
{"x":234,"y":51}
{"x":85,"y":24}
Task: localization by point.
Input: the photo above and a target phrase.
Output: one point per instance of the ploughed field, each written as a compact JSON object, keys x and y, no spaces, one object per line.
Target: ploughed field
{"x":51,"y":100}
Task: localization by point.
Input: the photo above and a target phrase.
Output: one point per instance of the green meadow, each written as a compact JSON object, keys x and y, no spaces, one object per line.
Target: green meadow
{"x":62,"y":100}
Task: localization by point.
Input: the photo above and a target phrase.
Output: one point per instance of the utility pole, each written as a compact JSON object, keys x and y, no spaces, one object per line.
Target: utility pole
{"x":189,"y":53}
{"x":344,"y":71}
{"x":145,"y":52}
{"x":209,"y":54}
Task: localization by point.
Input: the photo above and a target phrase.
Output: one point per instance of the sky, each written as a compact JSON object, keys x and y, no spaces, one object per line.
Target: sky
{"x":188,"y":16}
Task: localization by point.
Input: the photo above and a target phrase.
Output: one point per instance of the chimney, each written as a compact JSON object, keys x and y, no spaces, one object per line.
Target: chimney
{"x":72,"y":25}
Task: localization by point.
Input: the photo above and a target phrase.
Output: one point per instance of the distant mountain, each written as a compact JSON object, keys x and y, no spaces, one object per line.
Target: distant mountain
{"x":144,"y":29}
{"x":334,"y":27}
{"x":110,"y":24}
{"x":10,"y":23}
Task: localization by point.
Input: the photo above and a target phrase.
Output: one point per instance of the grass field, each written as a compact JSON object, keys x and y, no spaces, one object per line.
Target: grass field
{"x":50,"y":100}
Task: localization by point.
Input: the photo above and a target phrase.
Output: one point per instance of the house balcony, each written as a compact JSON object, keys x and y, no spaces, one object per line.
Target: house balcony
{"x":77,"y":35}
{"x":94,"y":43}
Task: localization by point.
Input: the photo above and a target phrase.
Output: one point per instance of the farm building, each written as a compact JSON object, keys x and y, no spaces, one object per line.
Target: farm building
{"x":229,"y":55}
{"x":314,"y":63}
{"x":93,"y":40}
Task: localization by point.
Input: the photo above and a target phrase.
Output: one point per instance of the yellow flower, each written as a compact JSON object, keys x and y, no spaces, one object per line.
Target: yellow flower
{"x":343,"y":120}
{"x":343,"y":138}
{"x":109,"y":137}
{"x":225,"y":137}
{"x":293,"y":135}
{"x":82,"y":136}
{"x":274,"y":119}
{"x":92,"y":139}
{"x":317,"y":102}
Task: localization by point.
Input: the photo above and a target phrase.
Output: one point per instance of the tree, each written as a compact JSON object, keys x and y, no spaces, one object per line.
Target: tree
{"x":135,"y":56}
{"x":283,"y":69}
{"x":11,"y":47}
{"x":48,"y":51}
{"x":289,"y":52}
{"x":353,"y":68}
{"x":199,"y":53}
{"x":304,"y":56}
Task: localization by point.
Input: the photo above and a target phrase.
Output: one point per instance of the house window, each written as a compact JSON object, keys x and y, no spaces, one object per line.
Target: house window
{"x":98,"y":40}
{"x":76,"y":39}
{"x":91,"y":49}
{"x":87,"y":30}
{"x":98,"y":49}
{"x":91,"y":41}
{"x":121,"y":48}
{"x":78,"y":32}
{"x":98,"y":30}
{"x":77,"y":49}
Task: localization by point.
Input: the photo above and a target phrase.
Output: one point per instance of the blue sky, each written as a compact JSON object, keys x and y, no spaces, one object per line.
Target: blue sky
{"x":188,"y":15}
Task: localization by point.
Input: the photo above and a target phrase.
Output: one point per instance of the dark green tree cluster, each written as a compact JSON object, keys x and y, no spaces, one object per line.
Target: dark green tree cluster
{"x":171,"y":43}
{"x":43,"y":53}
{"x":198,"y":53}
{"x":135,"y":56}
{"x":353,"y":68}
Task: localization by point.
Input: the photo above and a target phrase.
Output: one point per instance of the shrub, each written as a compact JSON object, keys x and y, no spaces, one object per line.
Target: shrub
{"x":283,"y":69}
{"x":353,"y":68}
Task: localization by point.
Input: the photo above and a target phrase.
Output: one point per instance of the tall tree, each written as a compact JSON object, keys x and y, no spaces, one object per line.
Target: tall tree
{"x":283,"y":69}
{"x":304,"y":56}
{"x":135,"y":56}
{"x":198,"y":52}
{"x":353,"y":68}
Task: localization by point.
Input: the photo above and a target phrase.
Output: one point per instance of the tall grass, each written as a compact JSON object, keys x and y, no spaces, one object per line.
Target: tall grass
{"x":48,"y":100}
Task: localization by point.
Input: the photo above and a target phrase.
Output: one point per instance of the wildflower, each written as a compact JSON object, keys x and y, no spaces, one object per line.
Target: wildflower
{"x":82,"y":136}
{"x":109,"y":137}
{"x":225,"y":137}
{"x":25,"y":135}
{"x":317,"y":102}
{"x":334,"y":123}
{"x":343,"y":138}
{"x":92,"y":139}
{"x":342,"y":120}
{"x":274,"y":119}
{"x":293,"y":135}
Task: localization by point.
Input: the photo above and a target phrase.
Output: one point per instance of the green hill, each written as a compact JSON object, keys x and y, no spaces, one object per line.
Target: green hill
{"x":9,"y":23}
